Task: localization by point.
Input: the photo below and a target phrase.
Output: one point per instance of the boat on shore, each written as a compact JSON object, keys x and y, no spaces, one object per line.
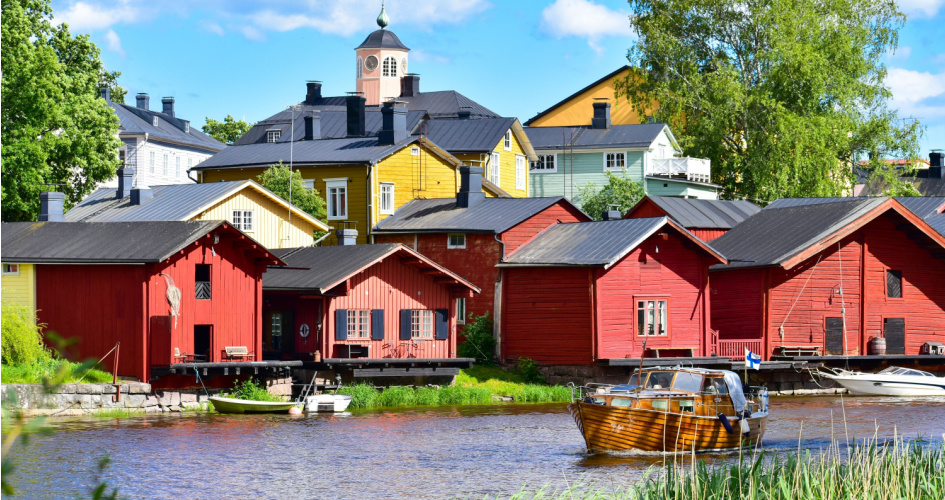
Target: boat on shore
{"x":893,"y":381}
{"x":327,"y":403}
{"x":671,"y":410}
{"x":233,"y":405}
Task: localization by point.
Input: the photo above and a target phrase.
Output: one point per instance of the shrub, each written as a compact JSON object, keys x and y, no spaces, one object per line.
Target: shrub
{"x":362,"y":395}
{"x":527,"y":368}
{"x":22,"y":339}
{"x":479,"y":343}
{"x":250,"y":390}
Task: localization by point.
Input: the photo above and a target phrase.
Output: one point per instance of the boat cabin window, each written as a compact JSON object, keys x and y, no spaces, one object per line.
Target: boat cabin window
{"x":687,"y":381}
{"x":634,"y":379}
{"x":714,"y":386}
{"x":659,"y":380}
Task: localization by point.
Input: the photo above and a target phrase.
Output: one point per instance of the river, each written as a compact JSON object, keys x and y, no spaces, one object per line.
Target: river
{"x":442,"y":452}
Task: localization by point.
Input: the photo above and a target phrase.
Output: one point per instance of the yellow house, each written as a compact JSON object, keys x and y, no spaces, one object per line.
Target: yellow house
{"x":255,"y":210}
{"x":577,"y":110}
{"x":18,"y":284}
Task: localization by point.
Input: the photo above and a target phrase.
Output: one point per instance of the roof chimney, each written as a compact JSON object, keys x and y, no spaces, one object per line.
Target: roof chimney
{"x":355,"y":103}
{"x":465,"y":112}
{"x":106,"y":93}
{"x":141,"y":194}
{"x":470,"y":186}
{"x":936,"y":164}
{"x":126,"y":176}
{"x":601,"y":118}
{"x":313,"y":126}
{"x":611,"y":215}
{"x":168,"y":105}
{"x":347,"y":237}
{"x":313,"y":91}
{"x":144,"y":102}
{"x":410,"y":85}
{"x":393,"y":124}
{"x":50,"y":206}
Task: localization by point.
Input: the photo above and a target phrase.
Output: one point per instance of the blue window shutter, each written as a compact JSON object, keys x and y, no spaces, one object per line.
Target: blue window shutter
{"x":405,"y":324}
{"x":442,"y":324}
{"x":377,"y":324}
{"x":341,"y":324}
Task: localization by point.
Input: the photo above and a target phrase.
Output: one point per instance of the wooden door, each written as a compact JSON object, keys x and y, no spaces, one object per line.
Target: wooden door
{"x":894,"y":329}
{"x":278,"y":336}
{"x":833,"y":336}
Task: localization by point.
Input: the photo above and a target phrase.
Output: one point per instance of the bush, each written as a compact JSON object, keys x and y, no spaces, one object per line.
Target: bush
{"x":22,"y":339}
{"x":527,"y":368}
{"x":250,"y":390}
{"x":362,"y":395}
{"x":480,"y":343}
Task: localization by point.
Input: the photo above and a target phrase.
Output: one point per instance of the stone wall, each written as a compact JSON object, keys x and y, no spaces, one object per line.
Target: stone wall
{"x":82,"y":399}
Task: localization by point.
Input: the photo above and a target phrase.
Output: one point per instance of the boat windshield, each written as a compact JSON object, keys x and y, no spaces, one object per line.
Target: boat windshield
{"x":687,"y":381}
{"x":659,"y":380}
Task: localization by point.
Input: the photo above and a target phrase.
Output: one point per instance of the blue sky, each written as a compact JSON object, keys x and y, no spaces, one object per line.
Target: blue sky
{"x":251,"y":58}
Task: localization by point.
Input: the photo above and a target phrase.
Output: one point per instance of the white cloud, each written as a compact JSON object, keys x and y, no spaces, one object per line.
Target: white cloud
{"x":214,"y":28}
{"x":420,"y":55}
{"x":926,"y":8}
{"x":918,"y":94}
{"x":89,"y":16}
{"x":251,"y":33}
{"x":584,"y":19}
{"x":113,"y":42}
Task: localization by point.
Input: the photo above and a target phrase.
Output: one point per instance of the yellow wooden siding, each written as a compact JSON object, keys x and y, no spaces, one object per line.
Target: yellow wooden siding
{"x":579,"y":110}
{"x":271,"y":222}
{"x":425,"y":176}
{"x":20,"y":288}
{"x":507,"y":168}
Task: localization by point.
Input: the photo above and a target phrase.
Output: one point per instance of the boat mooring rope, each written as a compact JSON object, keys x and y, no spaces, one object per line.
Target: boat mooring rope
{"x":197,"y":372}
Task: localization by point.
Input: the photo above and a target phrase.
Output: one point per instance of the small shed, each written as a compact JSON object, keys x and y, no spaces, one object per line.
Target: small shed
{"x":585,"y":292}
{"x":707,"y":219}
{"x":169,"y":292}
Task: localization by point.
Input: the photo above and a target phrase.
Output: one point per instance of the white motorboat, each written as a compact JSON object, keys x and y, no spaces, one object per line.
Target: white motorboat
{"x":893,"y":381}
{"x":327,"y":403}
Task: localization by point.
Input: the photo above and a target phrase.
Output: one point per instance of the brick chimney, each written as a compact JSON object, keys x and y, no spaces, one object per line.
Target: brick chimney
{"x":470,"y":186}
{"x":168,"y":105}
{"x":143,"y":101}
{"x":356,"y":105}
{"x":410,"y":85}
{"x":313,"y":92}
{"x":393,"y":124}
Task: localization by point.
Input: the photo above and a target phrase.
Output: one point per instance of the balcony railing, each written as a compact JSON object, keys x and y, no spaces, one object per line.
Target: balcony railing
{"x":734,"y":349}
{"x":692,"y":169}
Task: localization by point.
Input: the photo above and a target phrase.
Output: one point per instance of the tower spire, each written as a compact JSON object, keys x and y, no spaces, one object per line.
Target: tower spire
{"x":382,"y":19}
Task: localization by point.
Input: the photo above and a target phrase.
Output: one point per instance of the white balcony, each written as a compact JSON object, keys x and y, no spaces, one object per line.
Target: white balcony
{"x":692,"y":169}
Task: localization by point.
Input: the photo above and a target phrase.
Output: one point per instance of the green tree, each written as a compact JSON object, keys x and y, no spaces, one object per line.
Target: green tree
{"x":56,"y":130}
{"x":228,"y":131}
{"x":781,"y":96}
{"x":620,"y":191}
{"x":276,"y":179}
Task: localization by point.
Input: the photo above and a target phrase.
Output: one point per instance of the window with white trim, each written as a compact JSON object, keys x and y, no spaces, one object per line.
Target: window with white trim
{"x":359,"y":323}
{"x":421,"y":324}
{"x":520,"y":172}
{"x":337,"y":199}
{"x":11,"y":269}
{"x":389,"y":67}
{"x":461,"y":311}
{"x":243,"y":220}
{"x":152,"y":162}
{"x":615,"y":161}
{"x":415,"y":151}
{"x":178,"y":166}
{"x":155,"y":121}
{"x":165,"y":164}
{"x":387,"y":198}
{"x":652,"y":317}
{"x":494,"y":165}
{"x":545,"y":164}
{"x":190,"y":163}
{"x":456,"y":240}
{"x":273,"y":135}
{"x":508,"y":140}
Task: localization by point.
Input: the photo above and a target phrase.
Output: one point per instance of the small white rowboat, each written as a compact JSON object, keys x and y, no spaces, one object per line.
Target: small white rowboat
{"x":327,"y":403}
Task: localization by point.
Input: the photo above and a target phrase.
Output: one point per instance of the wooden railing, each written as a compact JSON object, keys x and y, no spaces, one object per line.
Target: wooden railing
{"x":734,"y":349}
{"x":693,"y":169}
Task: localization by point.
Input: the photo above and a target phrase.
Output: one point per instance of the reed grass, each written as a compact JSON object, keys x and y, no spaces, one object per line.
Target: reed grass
{"x":52,"y":369}
{"x":117,"y":412}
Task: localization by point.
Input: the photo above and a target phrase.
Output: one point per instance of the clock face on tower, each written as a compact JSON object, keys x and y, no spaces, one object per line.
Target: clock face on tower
{"x":370,"y":63}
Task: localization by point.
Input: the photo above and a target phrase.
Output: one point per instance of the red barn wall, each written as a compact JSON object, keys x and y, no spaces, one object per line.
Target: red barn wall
{"x":548,"y":315}
{"x":708,"y":234}
{"x":678,"y":273}
{"x":737,"y":303}
{"x":645,"y":209}
{"x":99,"y":305}
{"x":526,"y":230}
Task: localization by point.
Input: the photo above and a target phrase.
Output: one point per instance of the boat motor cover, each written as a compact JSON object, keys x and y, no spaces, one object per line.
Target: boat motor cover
{"x":735,"y":390}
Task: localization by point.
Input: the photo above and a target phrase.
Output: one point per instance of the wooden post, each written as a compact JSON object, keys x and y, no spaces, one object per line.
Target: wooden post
{"x":117,"y":397}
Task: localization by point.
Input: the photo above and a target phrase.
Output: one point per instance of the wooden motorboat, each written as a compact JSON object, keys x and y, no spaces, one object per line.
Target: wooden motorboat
{"x":233,"y":405}
{"x":672,"y":410}
{"x":893,"y":381}
{"x":327,"y":403}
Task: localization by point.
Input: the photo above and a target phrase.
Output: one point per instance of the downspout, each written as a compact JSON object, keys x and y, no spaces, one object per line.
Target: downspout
{"x":497,"y":306}
{"x":370,"y":205}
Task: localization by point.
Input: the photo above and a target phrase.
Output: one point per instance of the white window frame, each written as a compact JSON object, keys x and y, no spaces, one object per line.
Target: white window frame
{"x":389,"y":67}
{"x":507,"y":141}
{"x":495,"y":168}
{"x":521,"y":172}
{"x":273,"y":136}
{"x":616,"y":154}
{"x":415,"y":151}
{"x":421,"y":324}
{"x":331,"y":185}
{"x":359,"y":324}
{"x":190,"y":164}
{"x":165,"y":164}
{"x":11,"y":269}
{"x":155,"y":121}
{"x":386,"y":202}
{"x":457,"y":245}
{"x":152,"y":162}
{"x":177,"y":158}
{"x":243,"y":220}
{"x":461,"y":311}
{"x":541,"y":166}
{"x":655,"y":313}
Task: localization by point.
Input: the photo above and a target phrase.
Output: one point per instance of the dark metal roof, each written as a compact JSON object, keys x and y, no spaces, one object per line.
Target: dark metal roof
{"x":382,"y":39}
{"x":629,"y":136}
{"x":925,"y":185}
{"x":474,"y":135}
{"x":492,"y":215}
{"x":134,"y":120}
{"x":333,"y":125}
{"x":327,"y":267}
{"x":776,"y":233}
{"x":937,"y":222}
{"x":609,"y":76}
{"x":321,"y":152}
{"x":705,"y":214}
{"x":923,"y":206}
{"x":446,"y":104}
{"x":99,"y":242}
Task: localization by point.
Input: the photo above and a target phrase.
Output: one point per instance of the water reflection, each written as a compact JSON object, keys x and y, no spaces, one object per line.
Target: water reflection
{"x":419,"y":453}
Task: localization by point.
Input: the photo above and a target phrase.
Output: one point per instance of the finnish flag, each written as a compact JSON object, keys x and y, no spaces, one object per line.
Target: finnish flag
{"x":752,"y":360}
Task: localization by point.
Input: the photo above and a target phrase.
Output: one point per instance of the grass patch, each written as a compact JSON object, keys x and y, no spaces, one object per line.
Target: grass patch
{"x":505,"y":383}
{"x":52,"y":369}
{"x":117,"y":412}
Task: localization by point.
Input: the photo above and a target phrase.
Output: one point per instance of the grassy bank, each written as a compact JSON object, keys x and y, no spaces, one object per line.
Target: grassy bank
{"x":868,"y":472}
{"x":475,"y":386}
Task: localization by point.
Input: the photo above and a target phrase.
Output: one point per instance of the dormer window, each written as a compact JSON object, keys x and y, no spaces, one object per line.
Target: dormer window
{"x":154,"y":121}
{"x":273,"y":135}
{"x":389,"y":67}
{"x":508,"y":140}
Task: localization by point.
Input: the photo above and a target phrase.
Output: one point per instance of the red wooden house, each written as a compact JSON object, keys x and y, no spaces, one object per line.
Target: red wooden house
{"x":470,"y":234}
{"x":109,"y":282}
{"x":707,"y":219}
{"x":824,"y":276}
{"x":361,"y":301}
{"x":581,"y":293}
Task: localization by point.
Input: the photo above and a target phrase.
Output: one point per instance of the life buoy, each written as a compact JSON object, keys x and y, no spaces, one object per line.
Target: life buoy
{"x":304,"y":330}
